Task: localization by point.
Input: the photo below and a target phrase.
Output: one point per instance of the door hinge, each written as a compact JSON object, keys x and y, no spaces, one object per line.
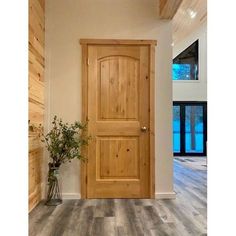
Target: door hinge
{"x":87,"y":61}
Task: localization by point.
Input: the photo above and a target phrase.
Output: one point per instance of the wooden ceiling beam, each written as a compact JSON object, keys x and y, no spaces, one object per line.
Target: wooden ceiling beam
{"x":168,"y":8}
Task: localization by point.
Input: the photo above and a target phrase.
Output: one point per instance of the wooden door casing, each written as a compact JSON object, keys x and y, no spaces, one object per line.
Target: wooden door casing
{"x":118,"y":94}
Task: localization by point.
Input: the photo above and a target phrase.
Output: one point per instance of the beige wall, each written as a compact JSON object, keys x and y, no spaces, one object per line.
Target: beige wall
{"x":69,"y":20}
{"x":193,"y":90}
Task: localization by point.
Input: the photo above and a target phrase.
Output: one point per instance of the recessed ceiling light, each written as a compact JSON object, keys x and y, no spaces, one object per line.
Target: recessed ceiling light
{"x":192,"y":13}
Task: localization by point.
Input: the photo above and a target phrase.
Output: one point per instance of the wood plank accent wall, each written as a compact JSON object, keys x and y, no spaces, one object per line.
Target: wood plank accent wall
{"x":36,"y":96}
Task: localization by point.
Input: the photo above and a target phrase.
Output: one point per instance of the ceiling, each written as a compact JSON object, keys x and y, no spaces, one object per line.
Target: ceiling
{"x":190,"y":15}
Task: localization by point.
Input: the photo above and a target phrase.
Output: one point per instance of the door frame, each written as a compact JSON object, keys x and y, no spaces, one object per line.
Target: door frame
{"x":85,"y":62}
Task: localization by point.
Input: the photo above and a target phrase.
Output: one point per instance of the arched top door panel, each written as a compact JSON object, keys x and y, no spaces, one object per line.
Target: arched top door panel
{"x":115,"y":57}
{"x":119,"y":50}
{"x":118,"y":82}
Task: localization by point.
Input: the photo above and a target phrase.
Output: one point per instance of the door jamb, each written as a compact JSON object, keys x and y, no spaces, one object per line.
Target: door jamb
{"x":151,"y":43}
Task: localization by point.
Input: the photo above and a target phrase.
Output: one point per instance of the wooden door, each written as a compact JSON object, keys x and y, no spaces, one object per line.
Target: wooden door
{"x":118,"y":110}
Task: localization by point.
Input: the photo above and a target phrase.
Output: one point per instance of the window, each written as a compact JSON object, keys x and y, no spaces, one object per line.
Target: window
{"x":194,"y":131}
{"x":176,"y":129}
{"x":185,"y":65}
{"x":189,"y":128}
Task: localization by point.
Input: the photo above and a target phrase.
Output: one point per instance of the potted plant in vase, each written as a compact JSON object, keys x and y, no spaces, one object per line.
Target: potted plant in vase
{"x":64,"y":143}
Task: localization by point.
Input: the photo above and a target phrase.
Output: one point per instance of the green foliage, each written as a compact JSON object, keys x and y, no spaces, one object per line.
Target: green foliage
{"x":64,"y":141}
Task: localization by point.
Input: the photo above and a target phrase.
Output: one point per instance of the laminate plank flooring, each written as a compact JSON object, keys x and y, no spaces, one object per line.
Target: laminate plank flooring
{"x":183,"y":216}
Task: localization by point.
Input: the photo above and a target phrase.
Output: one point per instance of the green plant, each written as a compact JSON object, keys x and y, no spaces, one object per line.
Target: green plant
{"x":64,"y":141}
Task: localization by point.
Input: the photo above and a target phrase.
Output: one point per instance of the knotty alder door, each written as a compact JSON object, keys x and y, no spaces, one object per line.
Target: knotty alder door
{"x":118,"y":110}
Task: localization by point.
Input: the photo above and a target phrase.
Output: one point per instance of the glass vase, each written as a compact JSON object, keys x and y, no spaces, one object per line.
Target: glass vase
{"x":54,"y":186}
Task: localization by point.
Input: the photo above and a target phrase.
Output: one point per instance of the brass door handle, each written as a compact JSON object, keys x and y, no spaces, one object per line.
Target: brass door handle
{"x":144,"y":129}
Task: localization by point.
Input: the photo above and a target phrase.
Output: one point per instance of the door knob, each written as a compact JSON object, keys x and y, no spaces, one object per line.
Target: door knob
{"x":144,"y":129}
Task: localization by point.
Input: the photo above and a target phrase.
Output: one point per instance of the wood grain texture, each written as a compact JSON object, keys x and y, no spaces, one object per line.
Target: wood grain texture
{"x":83,"y":165}
{"x":118,"y":158}
{"x":118,"y":105}
{"x":117,"y":41}
{"x":152,"y":120}
{"x":118,"y":82}
{"x":168,"y":8}
{"x":184,"y":216}
{"x":36,"y":96}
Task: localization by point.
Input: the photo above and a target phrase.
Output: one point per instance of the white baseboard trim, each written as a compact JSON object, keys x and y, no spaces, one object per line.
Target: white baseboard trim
{"x":71,"y":196}
{"x":165,"y":195}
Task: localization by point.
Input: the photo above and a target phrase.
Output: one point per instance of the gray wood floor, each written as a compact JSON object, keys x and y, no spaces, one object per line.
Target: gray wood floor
{"x":185,"y":215}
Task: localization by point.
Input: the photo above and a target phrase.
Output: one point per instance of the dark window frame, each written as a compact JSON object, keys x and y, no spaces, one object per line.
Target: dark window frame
{"x":195,"y":57}
{"x":182,"y":105}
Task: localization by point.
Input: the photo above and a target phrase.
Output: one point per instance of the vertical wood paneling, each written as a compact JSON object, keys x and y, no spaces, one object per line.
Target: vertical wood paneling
{"x":118,"y":157}
{"x":119,"y":88}
{"x":36,"y":96}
